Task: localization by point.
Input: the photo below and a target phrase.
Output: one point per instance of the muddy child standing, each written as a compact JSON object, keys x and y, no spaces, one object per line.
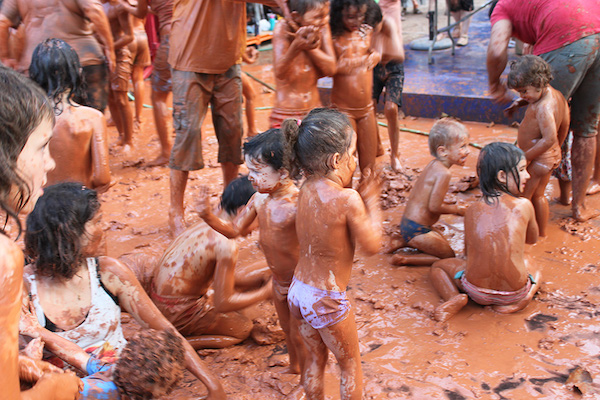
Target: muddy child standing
{"x":543,"y":129}
{"x":331,"y":220}
{"x":302,"y":53}
{"x":352,"y":91}
{"x":496,"y":271}
{"x":448,"y":143}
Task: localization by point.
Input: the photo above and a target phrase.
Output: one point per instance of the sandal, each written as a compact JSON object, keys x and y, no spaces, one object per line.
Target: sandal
{"x":417,"y":11}
{"x":463,"y":40}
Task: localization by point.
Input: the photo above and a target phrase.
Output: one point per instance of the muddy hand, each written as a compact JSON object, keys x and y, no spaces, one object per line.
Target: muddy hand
{"x":370,"y":185}
{"x":515,"y":105}
{"x":499,"y":93}
{"x":34,"y":349}
{"x":202,"y":206}
{"x":28,"y":323}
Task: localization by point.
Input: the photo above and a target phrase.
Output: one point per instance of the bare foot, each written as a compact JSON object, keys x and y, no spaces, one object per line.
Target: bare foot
{"x":447,"y":310}
{"x":291,"y":369}
{"x":396,"y":164}
{"x":176,"y":224}
{"x":398,"y":259}
{"x":137,"y":125}
{"x":565,"y":201}
{"x":593,"y":188}
{"x":158,"y":161}
{"x":581,"y":214}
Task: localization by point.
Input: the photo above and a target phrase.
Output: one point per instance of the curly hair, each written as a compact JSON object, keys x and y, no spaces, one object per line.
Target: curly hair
{"x":23,"y":108}
{"x":55,"y":228}
{"x":150,"y":365}
{"x":529,"y":70}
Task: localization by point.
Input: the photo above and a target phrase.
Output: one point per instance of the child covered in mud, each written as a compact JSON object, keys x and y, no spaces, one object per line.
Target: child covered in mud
{"x":274,"y":206}
{"x":149,"y":366}
{"x":79,"y":143}
{"x":543,"y":129}
{"x":302,"y":53}
{"x":448,"y":143}
{"x":352,"y":91}
{"x":496,"y":271}
{"x":331,"y":220}
{"x":26,"y":121}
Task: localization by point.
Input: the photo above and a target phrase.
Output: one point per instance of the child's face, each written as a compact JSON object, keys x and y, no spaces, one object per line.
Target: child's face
{"x":263,"y":177}
{"x":523,"y":178}
{"x":458,"y":151}
{"x":530,"y":94}
{"x":317,"y":16}
{"x":353,"y":17}
{"x":34,"y":162}
{"x":348,"y":161}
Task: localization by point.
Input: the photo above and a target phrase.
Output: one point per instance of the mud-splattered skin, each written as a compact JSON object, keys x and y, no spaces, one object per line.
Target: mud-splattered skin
{"x":75,"y":21}
{"x":79,"y":147}
{"x":301,"y":57}
{"x":120,"y":24}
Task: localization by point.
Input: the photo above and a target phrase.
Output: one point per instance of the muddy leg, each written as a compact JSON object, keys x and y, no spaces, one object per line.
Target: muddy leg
{"x":178,"y":184}
{"x":391,"y":114}
{"x":594,"y":186}
{"x":582,"y":155}
{"x":442,"y":277}
{"x":313,"y":374}
{"x":228,"y":330}
{"x":161,"y":112}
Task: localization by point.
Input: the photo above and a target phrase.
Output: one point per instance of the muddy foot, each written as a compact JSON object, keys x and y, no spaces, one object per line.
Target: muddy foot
{"x":398,"y":259}
{"x":565,"y":201}
{"x":447,"y":310}
{"x":593,"y":188}
{"x":176,"y":224}
{"x":582,"y":214}
{"x":158,"y":161}
{"x":396,"y":165}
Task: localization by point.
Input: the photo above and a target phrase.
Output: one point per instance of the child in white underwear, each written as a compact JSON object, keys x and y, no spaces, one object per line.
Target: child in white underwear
{"x":496,"y":272}
{"x":331,"y":220}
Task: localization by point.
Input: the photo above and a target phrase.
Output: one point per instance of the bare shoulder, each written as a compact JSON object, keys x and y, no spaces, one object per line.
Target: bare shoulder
{"x":12,"y":256}
{"x":111,"y":268}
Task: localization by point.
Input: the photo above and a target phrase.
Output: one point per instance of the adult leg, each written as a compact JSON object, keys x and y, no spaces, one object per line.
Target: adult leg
{"x":249,"y":94}
{"x":594,"y":186}
{"x":137,"y":77}
{"x":161,"y":113}
{"x":342,"y":340}
{"x":178,"y":183}
{"x":582,"y":157}
{"x":391,"y":114}
{"x":442,"y":275}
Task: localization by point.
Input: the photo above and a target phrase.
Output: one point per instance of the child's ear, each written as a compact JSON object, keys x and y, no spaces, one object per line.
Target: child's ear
{"x":333,"y":161}
{"x":441,"y":151}
{"x":501,"y":176}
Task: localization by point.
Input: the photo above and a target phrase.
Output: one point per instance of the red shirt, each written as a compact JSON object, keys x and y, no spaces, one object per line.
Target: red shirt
{"x":549,"y":24}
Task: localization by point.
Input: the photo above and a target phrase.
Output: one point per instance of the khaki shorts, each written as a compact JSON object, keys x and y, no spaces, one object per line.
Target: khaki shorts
{"x":119,"y":78}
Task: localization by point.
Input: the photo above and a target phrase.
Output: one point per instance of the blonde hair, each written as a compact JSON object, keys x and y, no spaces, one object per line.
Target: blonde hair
{"x":445,"y":132}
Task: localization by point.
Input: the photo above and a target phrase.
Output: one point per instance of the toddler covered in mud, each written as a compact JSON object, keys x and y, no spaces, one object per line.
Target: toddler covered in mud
{"x":543,"y":129}
{"x":352,"y":90}
{"x":331,"y":220}
{"x":302,"y":53}
{"x":79,"y":143}
{"x":496,"y":271}
{"x":274,"y":206}
{"x":448,"y":143}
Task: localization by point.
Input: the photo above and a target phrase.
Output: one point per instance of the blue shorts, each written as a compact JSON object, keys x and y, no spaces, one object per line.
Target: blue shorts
{"x":98,"y":385}
{"x":319,"y":307}
{"x":409,"y":229}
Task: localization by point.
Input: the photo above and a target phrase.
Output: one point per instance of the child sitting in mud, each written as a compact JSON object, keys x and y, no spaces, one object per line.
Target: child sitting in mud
{"x":274,"y":206}
{"x":79,"y":143}
{"x":543,"y":129}
{"x":302,"y":53}
{"x":448,"y":143}
{"x":149,"y":366}
{"x":352,"y":90}
{"x":496,"y":272}
{"x":331,"y":220}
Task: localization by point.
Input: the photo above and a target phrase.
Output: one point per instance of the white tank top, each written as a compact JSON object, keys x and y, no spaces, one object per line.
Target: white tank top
{"x":102,"y":323}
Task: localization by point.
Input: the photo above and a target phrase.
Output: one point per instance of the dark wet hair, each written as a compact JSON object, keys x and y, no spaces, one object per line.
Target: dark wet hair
{"x":302,"y":6}
{"x":529,"y":70}
{"x":55,"y":67}
{"x":267,"y":147}
{"x":373,"y":16}
{"x":322,"y":133}
{"x":55,"y":228}
{"x":336,"y":20}
{"x":237,"y":194}
{"x":445,"y":132}
{"x":150,"y":365}
{"x":493,"y":158}
{"x":23,"y":107}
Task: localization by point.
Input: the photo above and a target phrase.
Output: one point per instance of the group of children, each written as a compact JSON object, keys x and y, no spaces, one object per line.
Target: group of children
{"x":308,"y":234}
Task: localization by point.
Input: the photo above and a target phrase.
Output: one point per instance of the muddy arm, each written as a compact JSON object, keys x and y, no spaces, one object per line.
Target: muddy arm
{"x":547,"y":124}
{"x":230,"y":229}
{"x":94,"y":12}
{"x":324,"y":56}
{"x":497,"y":57}
{"x":100,"y":159}
{"x":9,"y":17}
{"x":436,"y":203}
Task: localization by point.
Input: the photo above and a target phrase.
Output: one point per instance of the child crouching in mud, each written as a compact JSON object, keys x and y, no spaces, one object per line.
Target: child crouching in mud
{"x":331,"y":219}
{"x":496,"y":272}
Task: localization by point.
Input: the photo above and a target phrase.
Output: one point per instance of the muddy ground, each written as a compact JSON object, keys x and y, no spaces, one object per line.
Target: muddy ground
{"x":406,"y":355}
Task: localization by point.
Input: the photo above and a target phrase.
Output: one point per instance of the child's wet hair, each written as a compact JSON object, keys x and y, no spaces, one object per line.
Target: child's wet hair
{"x":237,"y":194}
{"x":302,"y":6}
{"x":445,"y":132}
{"x":267,"y":148}
{"x":55,"y":67}
{"x":336,"y":12}
{"x":150,"y":365}
{"x":321,"y":134}
{"x":493,"y":158}
{"x":23,"y":107}
{"x":529,"y":70}
{"x":56,"y":226}
{"x":373,"y":16}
